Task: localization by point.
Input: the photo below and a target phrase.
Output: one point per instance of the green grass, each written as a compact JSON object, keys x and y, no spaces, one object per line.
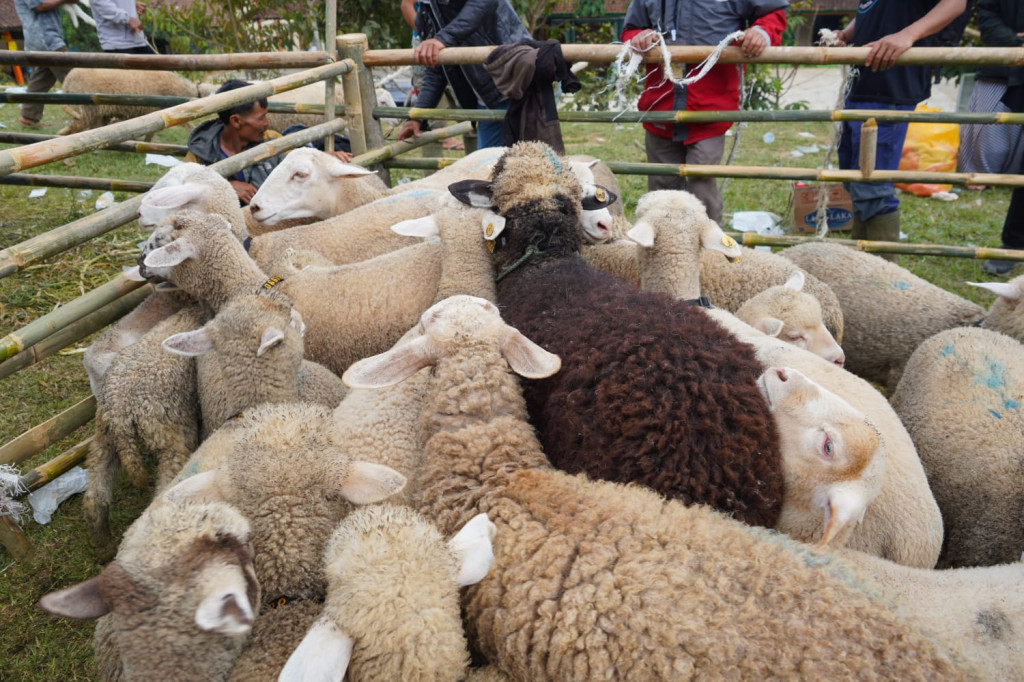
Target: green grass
{"x":35,"y":646}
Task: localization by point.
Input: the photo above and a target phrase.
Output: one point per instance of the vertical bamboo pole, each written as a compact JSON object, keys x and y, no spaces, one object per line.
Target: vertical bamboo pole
{"x":353,"y":46}
{"x":331,"y":29}
{"x":868,"y":147}
{"x":348,"y":48}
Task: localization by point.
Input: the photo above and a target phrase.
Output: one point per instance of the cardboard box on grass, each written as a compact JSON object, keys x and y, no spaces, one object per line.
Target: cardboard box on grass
{"x":805,"y":207}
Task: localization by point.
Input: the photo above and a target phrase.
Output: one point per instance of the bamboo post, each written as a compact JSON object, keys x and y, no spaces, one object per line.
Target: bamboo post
{"x":73,"y":332}
{"x":978,"y":252}
{"x":390,"y":151}
{"x":331,"y":43}
{"x":13,"y":539}
{"x":44,"y":473}
{"x":694,"y":54}
{"x":72,"y":234}
{"x":40,"y":437}
{"x":132,"y":146}
{"x":372,"y":133}
{"x":868,"y":147}
{"x":32,"y":155}
{"x":156,"y":101}
{"x":713,"y":116}
{"x":74,"y":182}
{"x":169,"y":62}
{"x":349,"y":46}
{"x":42,"y":327}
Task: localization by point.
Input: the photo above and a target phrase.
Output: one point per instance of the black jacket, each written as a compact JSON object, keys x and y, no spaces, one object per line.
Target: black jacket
{"x":999,"y":22}
{"x":466,"y":23}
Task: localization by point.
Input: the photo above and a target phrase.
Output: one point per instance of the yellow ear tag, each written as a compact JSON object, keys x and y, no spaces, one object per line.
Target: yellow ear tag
{"x":728,"y":242}
{"x":489,"y":230}
{"x":490,"y":245}
{"x":600,"y":195}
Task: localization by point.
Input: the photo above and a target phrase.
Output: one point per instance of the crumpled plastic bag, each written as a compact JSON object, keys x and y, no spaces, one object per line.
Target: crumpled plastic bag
{"x":761,"y":222}
{"x":46,"y":500}
{"x":929,"y":147}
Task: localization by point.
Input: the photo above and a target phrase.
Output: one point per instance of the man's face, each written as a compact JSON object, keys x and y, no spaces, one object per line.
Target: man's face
{"x":252,"y":124}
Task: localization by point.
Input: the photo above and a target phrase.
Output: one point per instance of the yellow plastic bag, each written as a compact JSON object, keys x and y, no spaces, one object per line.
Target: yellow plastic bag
{"x":929,"y":147}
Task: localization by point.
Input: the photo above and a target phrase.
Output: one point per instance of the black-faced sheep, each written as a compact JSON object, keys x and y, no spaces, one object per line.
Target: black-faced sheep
{"x":651,"y":389}
{"x":598,"y":580}
{"x":961,"y":398}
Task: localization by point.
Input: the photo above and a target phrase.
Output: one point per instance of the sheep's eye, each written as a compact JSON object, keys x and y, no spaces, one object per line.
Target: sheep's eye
{"x":300,"y":175}
{"x":827,"y":448}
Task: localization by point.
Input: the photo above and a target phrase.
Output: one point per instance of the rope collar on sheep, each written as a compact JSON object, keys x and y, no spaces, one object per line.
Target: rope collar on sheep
{"x":530,"y":251}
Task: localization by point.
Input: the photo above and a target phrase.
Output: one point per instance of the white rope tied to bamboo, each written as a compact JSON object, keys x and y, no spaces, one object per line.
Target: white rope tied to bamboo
{"x":10,"y":486}
{"x":702,"y":68}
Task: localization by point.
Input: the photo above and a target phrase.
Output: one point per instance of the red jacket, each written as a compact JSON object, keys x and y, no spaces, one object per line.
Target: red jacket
{"x":718,"y":90}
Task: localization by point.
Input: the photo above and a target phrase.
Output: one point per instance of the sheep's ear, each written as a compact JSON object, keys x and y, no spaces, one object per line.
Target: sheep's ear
{"x":340,"y":169}
{"x":595,"y":161}
{"x":772,"y":326}
{"x":714,"y":239}
{"x":173,"y":197}
{"x":596,"y":197}
{"x":190,"y":344}
{"x":390,"y":367}
{"x":225,"y":606}
{"x":175,"y":253}
{"x":1005,"y":289}
{"x":642,"y":233}
{"x":295,"y":322}
{"x":472,"y":547}
{"x":527,"y":359}
{"x":476,"y":193}
{"x":322,"y":655}
{"x":82,"y":601}
{"x":796,"y":281}
{"x":425,"y":227}
{"x":271,"y":337}
{"x":202,"y":487}
{"x":368,"y":483}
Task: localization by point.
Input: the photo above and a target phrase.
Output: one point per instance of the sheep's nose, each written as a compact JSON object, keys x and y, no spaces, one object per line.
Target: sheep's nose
{"x":604,"y":227}
{"x":781,"y":373}
{"x":840,"y":361}
{"x":254,"y":207}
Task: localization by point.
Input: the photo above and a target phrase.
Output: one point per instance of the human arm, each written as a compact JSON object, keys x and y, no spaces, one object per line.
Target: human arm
{"x":638,"y":31}
{"x":765,"y":30}
{"x":886,"y":50}
{"x":993,"y":27}
{"x":244,"y":190}
{"x":47,"y":5}
{"x":470,"y":18}
{"x":409,"y":13}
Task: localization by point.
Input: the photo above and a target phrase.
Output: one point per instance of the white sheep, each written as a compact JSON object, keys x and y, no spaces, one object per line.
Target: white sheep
{"x":1004,"y":315}
{"x":392,"y":608}
{"x":887,"y":310}
{"x":961,"y":398}
{"x":179,"y":599}
{"x":118,"y":82}
{"x":589,"y":576}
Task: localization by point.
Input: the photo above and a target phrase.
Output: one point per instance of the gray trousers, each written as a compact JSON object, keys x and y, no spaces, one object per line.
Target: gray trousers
{"x":41,"y":80}
{"x":707,"y":151}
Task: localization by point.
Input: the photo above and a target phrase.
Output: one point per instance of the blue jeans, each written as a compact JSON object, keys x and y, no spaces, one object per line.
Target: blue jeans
{"x":488,"y":133}
{"x":875,"y":198}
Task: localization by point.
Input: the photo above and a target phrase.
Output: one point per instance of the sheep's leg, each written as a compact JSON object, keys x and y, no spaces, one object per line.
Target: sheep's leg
{"x":103,"y":467}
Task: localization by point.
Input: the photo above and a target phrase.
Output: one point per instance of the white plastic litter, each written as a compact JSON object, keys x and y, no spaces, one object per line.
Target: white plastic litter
{"x":768,"y":138}
{"x":761,"y":222}
{"x":17,"y":88}
{"x":796,"y":154}
{"x":1,"y":124}
{"x":37,"y":192}
{"x":163,"y":160}
{"x":105,"y":200}
{"x":804,"y":133}
{"x":944,"y":196}
{"x":85,"y":193}
{"x":46,"y":500}
{"x":811,"y":149}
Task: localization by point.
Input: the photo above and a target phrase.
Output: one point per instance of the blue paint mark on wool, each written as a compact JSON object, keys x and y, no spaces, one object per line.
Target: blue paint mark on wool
{"x":902,"y":286}
{"x":1011,"y":404}
{"x":994,"y":375}
{"x":946,"y":351}
{"x":412,"y":194}
{"x":995,"y":414}
{"x":555,"y":161}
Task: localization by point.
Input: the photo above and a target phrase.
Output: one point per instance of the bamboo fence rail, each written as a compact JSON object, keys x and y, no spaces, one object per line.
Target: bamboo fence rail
{"x":158,"y":101}
{"x":782,"y":116}
{"x":14,"y":258}
{"x":168,"y":62}
{"x":693,"y":54}
{"x":74,"y":182}
{"x":133,"y":146}
{"x":75,"y":331}
{"x":979,"y":252}
{"x":32,"y":155}
{"x":36,"y":478}
{"x":393,"y":150}
{"x":40,"y":437}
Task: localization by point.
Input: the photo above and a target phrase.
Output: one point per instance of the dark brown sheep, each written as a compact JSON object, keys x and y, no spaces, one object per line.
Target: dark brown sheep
{"x":651,"y":389}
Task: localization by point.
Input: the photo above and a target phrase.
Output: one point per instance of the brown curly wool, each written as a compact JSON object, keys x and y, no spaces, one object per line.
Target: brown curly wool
{"x":651,"y":390}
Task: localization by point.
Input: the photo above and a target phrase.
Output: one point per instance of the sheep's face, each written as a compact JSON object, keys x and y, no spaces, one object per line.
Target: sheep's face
{"x":661,"y":213}
{"x":177,"y":239}
{"x":794,"y":317}
{"x":185,"y":187}
{"x":302,"y":186}
{"x":828,"y":447}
